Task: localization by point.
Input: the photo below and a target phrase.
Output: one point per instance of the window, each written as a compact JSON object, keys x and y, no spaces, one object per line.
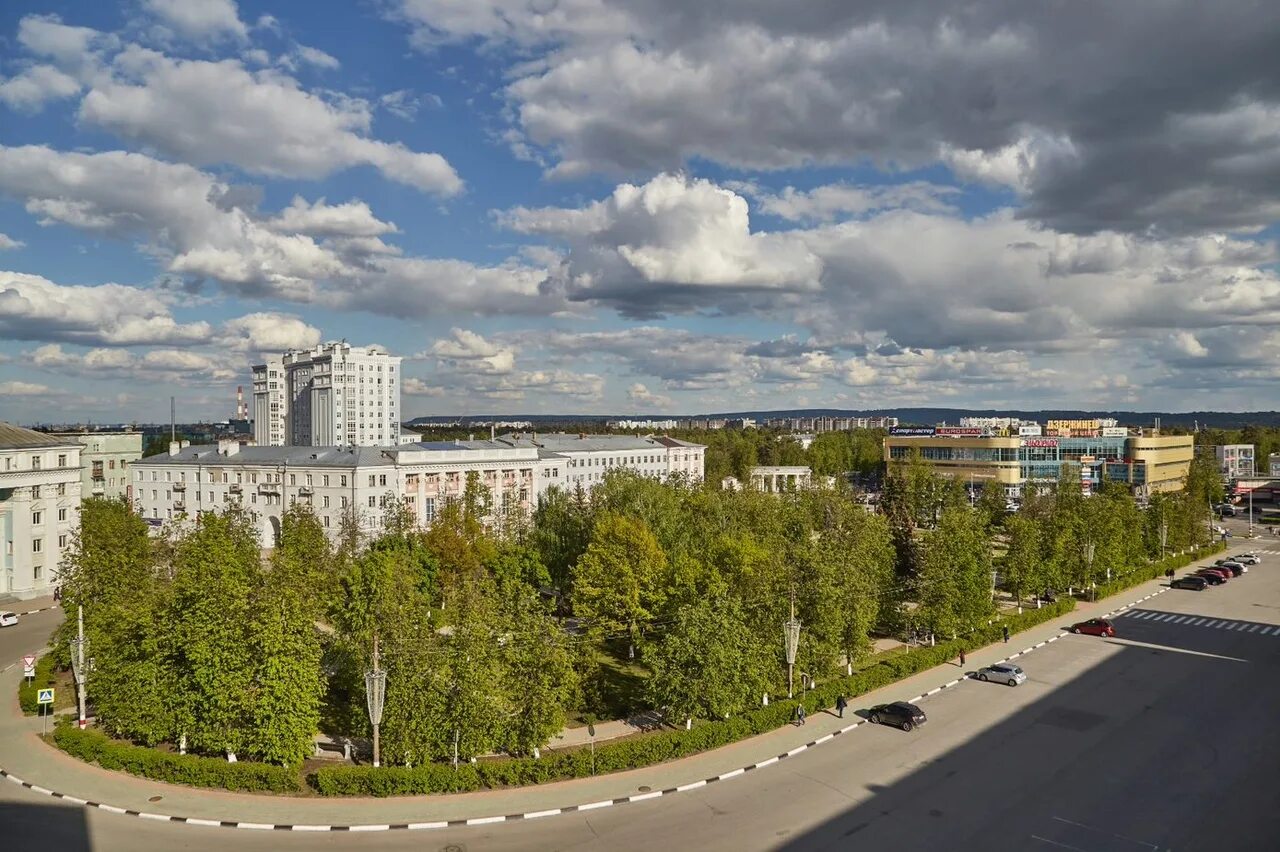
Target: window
{"x":382,"y":480}
{"x":154,"y":494}
{"x":62,"y":489}
{"x":37,"y":545}
{"x":326,"y":520}
{"x":62,"y":514}
{"x":62,"y":460}
{"x":373,"y":501}
{"x":373,"y":480}
{"x":37,"y":570}
{"x":326,"y":480}
{"x":35,"y":462}
{"x":62,"y":542}
{"x":326,"y":501}
{"x":344,"y":502}
{"x":111,"y":464}
{"x":36,"y":517}
{"x":293,"y":479}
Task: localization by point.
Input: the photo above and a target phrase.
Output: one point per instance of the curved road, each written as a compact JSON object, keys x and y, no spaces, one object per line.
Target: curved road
{"x":1158,"y":740}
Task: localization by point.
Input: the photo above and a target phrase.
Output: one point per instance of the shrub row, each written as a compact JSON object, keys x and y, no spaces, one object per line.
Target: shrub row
{"x":1156,"y":570}
{"x":95,"y":747}
{"x":661,"y":746}
{"x":28,"y":692}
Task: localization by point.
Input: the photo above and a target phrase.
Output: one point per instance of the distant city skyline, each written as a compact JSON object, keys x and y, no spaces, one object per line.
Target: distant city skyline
{"x":622,"y":207}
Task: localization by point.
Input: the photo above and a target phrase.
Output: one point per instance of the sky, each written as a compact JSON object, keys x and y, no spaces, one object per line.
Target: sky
{"x":644,"y":207}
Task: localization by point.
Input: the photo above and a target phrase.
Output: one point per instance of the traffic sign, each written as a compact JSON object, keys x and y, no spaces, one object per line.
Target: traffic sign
{"x":29,"y":665}
{"x":44,"y":696}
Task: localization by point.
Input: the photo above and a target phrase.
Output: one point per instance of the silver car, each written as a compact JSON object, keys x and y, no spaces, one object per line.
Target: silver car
{"x":1006,"y":673}
{"x":1247,"y":559}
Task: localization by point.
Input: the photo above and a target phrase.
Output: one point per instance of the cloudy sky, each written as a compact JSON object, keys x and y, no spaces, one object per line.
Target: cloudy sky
{"x":642,"y":206}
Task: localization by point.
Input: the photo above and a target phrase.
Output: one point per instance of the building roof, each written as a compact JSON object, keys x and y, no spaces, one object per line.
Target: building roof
{"x":208,"y":454}
{"x":562,"y":442}
{"x":17,"y":438}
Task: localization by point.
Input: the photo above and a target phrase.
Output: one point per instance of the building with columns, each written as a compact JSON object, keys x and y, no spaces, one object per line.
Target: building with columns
{"x":776,"y":478}
{"x":39,"y":508}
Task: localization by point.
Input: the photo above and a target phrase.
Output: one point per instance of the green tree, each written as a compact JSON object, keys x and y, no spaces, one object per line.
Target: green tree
{"x":1023,"y":573}
{"x":618,"y":583}
{"x":539,"y":679}
{"x":710,"y":664}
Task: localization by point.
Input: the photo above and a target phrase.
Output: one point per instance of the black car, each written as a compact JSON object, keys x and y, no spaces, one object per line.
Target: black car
{"x":1194,"y":583}
{"x":900,"y":714}
{"x":1210,"y":578}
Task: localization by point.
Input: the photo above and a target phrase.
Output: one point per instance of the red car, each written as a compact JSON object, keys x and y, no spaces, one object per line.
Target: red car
{"x":1224,"y":573}
{"x":1095,"y":627}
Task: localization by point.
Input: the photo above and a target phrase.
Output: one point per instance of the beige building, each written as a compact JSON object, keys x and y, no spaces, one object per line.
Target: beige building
{"x":39,"y":508}
{"x":105,"y":461}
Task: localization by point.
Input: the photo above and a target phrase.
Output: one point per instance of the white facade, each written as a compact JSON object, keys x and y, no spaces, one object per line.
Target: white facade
{"x":333,"y":395}
{"x":1273,"y":462}
{"x":1235,"y":461}
{"x":266,"y":480}
{"x":39,"y":508}
{"x":105,"y":460}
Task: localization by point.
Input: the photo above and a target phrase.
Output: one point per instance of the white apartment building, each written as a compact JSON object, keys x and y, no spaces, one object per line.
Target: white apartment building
{"x":516,"y":470}
{"x":333,"y":395}
{"x":39,"y":508}
{"x":105,"y":461}
{"x":1235,"y":461}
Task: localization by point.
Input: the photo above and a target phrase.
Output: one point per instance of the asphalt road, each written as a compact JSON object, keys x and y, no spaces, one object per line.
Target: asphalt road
{"x":29,"y":635}
{"x":1161,"y":739}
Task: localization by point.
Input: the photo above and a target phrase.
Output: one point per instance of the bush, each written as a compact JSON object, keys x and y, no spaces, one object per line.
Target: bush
{"x":663,"y":745}
{"x":28,"y":692}
{"x":95,"y":747}
{"x":1156,"y":570}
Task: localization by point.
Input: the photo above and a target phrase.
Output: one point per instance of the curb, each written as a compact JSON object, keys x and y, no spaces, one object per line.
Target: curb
{"x":490,"y":820}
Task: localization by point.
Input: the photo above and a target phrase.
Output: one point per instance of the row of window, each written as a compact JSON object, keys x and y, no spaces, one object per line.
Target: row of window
{"x":60,"y":489}
{"x":37,"y":546}
{"x":37,"y":462}
{"x":252,"y":477}
{"x":37,"y":517}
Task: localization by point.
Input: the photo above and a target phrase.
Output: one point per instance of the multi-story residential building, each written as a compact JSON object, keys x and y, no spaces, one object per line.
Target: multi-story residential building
{"x":333,"y":395}
{"x":105,"y":461}
{"x":1235,"y":461}
{"x":39,"y":508}
{"x":1146,"y":464}
{"x":516,"y":470}
{"x":1273,"y":462}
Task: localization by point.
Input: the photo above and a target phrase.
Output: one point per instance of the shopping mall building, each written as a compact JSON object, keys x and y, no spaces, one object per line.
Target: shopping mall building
{"x":1146,"y":463}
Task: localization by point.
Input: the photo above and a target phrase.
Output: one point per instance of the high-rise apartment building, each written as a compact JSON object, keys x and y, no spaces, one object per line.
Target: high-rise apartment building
{"x":39,"y":508}
{"x":333,"y":395}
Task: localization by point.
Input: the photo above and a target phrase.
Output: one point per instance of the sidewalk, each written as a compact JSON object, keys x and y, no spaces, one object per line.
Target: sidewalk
{"x":27,"y":606}
{"x":23,"y":755}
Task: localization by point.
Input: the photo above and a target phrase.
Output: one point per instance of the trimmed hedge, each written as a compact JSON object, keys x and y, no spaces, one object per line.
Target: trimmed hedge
{"x":96,"y":747}
{"x":664,"y":745}
{"x":1156,"y":570}
{"x":28,"y":692}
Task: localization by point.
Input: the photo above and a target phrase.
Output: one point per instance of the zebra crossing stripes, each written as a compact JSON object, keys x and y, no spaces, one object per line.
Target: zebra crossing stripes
{"x":1152,"y":616}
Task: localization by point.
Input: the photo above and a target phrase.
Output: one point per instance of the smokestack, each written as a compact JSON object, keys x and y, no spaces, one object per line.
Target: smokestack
{"x":493,"y":431}
{"x":241,"y":413}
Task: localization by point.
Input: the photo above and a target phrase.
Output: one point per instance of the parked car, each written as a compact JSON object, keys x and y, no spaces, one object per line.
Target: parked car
{"x":1006,"y":673}
{"x":1192,"y":582}
{"x":8,"y":619}
{"x":1224,"y":573}
{"x":1213,"y":578}
{"x":1233,"y":566}
{"x":1247,"y":559}
{"x":1094,"y":627}
{"x":900,"y":714}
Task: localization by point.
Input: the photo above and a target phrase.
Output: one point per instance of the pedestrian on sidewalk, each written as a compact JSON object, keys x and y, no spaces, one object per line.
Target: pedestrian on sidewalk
{"x":1006,"y":634}
{"x":841,"y":703}
{"x":799,"y":715}
{"x":962,"y":658}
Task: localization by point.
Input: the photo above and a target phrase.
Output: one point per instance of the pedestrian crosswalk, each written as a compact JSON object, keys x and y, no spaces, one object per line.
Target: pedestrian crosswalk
{"x":1152,"y":616}
{"x":1265,"y":552}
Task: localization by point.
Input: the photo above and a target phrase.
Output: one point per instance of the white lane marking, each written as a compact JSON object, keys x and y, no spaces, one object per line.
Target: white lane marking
{"x":1253,"y":627}
{"x":589,"y":807}
{"x":653,"y":795}
{"x":310,"y":828}
{"x":725,"y":776}
{"x":491,"y":820}
{"x":534,"y":815}
{"x":1196,"y":622}
{"x":692,"y":785}
{"x":257,"y":826}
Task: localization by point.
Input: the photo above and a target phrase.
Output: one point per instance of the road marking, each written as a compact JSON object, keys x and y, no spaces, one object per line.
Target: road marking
{"x":1253,"y":627}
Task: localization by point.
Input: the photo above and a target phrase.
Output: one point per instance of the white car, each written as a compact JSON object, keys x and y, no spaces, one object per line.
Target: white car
{"x":8,"y":619}
{"x":1006,"y":673}
{"x":1247,"y":559}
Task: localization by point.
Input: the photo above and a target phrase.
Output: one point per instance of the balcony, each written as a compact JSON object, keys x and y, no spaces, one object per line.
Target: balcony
{"x":179,"y":486}
{"x":269,"y":488}
{"x":98,"y":489}
{"x":179,"y":505}
{"x":235,"y":488}
{"x":305,"y":491}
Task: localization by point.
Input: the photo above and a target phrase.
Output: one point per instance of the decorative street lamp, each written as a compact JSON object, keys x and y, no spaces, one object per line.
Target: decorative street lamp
{"x":78,"y":666}
{"x":791,"y":633}
{"x":375,"y":690}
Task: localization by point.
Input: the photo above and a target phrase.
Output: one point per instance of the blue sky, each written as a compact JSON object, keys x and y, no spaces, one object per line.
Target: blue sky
{"x":640,"y":206}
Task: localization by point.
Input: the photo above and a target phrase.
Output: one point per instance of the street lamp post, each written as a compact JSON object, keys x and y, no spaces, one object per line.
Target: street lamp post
{"x":1089,"y":549}
{"x":80,"y":670}
{"x":791,"y":634}
{"x":375,"y":689}
{"x":1164,"y":537}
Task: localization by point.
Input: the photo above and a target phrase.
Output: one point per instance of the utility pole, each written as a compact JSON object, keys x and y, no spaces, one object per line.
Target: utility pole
{"x":375,"y":688}
{"x":77,"y":663}
{"x":1250,"y":511}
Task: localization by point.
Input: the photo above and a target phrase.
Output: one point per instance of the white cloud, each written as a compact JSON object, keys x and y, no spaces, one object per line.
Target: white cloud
{"x":208,"y":113}
{"x":35,"y":308}
{"x":1187,"y":344}
{"x":200,"y":20}
{"x":29,"y":90}
{"x":69,"y":46}
{"x":470,"y":352}
{"x":153,"y":365}
{"x":642,"y":396}
{"x":840,"y":200}
{"x":405,"y":103}
{"x":316,"y":57}
{"x":268,"y":332}
{"x":8,"y":243}
{"x":23,"y":389}
{"x":349,"y":219}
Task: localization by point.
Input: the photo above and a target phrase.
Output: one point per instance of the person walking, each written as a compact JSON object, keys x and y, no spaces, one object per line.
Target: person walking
{"x":799,"y":715}
{"x":961,"y":658}
{"x":1006,"y":634}
{"x":841,"y":703}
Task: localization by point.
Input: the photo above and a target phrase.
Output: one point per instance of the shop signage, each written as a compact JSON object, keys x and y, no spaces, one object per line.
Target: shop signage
{"x":910,"y":431}
{"x":1040,"y":442}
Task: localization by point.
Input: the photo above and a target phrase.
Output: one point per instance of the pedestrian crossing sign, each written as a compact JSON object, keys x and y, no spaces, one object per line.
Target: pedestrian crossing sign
{"x":44,"y":696}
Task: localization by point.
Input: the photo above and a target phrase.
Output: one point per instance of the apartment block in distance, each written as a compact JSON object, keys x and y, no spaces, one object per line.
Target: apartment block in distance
{"x":105,"y":460}
{"x":333,"y":395}
{"x":1235,"y":461}
{"x":39,"y":508}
